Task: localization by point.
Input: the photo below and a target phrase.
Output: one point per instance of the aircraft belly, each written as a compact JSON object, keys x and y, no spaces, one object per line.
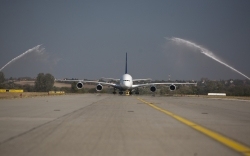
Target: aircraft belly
{"x":125,"y":86}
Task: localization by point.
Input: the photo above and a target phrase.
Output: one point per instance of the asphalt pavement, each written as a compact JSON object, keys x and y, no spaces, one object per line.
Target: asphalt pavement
{"x":113,"y":125}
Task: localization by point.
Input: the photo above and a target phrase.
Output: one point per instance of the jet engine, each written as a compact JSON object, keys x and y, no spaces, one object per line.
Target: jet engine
{"x":172,"y":87}
{"x":79,"y":85}
{"x":99,"y":87}
{"x":152,"y":88}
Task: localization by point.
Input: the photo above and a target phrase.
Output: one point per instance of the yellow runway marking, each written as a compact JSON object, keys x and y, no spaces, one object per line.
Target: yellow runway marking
{"x":216,"y":136}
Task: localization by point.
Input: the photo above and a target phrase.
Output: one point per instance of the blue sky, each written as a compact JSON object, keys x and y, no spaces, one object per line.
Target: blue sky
{"x":89,"y":39}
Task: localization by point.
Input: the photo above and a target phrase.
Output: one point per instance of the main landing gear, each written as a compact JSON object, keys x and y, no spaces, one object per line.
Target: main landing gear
{"x":120,"y":92}
{"x":127,"y":92}
{"x":114,"y":92}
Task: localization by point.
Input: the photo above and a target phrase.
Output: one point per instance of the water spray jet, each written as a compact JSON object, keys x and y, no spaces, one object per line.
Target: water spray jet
{"x":205,"y":52}
{"x":34,"y":49}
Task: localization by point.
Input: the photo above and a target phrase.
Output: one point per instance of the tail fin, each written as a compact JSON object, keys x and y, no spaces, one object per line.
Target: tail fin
{"x":126,"y":67}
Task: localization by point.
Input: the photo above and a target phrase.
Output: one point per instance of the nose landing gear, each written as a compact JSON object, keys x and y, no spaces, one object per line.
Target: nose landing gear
{"x":127,"y":92}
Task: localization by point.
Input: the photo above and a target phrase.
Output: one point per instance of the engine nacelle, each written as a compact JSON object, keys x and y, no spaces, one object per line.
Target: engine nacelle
{"x":152,"y":88}
{"x":99,"y":87}
{"x":172,"y":87}
{"x":79,"y":85}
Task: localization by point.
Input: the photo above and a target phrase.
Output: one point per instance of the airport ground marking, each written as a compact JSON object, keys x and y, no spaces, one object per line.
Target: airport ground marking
{"x":239,"y":147}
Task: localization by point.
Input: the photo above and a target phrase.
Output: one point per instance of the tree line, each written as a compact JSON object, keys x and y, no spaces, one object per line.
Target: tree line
{"x":45,"y":83}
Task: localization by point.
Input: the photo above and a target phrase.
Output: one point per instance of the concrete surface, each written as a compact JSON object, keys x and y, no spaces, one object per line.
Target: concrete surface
{"x":108,"y":125}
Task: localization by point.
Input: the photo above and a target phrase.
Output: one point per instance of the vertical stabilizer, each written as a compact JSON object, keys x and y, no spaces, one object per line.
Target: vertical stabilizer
{"x":126,"y":67}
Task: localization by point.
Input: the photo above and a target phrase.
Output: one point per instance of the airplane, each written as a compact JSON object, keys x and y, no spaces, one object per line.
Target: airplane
{"x":126,"y":83}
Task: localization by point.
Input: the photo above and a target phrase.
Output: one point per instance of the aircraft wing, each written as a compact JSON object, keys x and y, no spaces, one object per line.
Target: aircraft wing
{"x":104,"y":78}
{"x":62,"y":80}
{"x":153,"y":84}
{"x":117,"y":86}
{"x":148,"y":79}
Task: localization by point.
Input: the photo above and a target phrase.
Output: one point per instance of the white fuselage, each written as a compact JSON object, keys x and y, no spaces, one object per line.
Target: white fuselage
{"x":126,"y":81}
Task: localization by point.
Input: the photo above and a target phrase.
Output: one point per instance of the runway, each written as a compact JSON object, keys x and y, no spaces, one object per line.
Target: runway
{"x":106,"y":125}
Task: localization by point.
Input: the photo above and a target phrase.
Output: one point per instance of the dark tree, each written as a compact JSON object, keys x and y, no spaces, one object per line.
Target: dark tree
{"x":44,"y":83}
{"x":2,"y":78}
{"x":49,"y":81}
